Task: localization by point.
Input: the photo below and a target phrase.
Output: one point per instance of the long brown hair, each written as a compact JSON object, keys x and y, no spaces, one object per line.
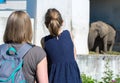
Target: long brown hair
{"x":18,"y":28}
{"x":53,"y":21}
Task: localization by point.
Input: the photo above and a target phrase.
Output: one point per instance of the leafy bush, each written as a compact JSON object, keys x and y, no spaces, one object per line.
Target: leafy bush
{"x":87,"y":79}
{"x":108,"y":76}
{"x":117,"y":79}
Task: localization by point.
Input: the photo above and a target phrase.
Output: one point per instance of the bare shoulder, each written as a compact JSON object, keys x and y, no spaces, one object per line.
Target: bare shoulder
{"x":42,"y":42}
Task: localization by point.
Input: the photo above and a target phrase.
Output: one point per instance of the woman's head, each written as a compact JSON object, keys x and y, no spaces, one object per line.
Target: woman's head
{"x":18,"y":28}
{"x":53,"y":21}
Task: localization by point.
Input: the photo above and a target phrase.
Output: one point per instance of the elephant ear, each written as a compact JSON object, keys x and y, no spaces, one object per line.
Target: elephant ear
{"x":102,"y":29}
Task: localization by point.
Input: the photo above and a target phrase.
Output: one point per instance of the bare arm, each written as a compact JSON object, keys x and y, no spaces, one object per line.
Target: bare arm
{"x":74,"y":45}
{"x":42,"y":42}
{"x":42,"y":74}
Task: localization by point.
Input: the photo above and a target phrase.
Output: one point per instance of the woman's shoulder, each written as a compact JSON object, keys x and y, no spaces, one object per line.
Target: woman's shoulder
{"x":37,"y":50}
{"x":36,"y":53}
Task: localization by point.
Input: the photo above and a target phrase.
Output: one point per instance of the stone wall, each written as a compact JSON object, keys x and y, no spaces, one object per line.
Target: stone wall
{"x":94,"y":65}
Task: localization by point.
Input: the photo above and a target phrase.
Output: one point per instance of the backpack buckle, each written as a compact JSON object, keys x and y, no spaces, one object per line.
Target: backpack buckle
{"x":11,"y":51}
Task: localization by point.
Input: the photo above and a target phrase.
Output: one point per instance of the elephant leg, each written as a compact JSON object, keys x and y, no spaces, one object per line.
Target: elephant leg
{"x":111,"y":46}
{"x":96,"y":45}
{"x":97,"y":50}
{"x":101,"y":48}
{"x":105,"y":43}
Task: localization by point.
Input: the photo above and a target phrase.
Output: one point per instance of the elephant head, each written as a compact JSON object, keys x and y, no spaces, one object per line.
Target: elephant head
{"x":98,"y":30}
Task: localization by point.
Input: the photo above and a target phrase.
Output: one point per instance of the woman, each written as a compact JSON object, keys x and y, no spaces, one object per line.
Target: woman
{"x":18,"y":32}
{"x":62,"y":67}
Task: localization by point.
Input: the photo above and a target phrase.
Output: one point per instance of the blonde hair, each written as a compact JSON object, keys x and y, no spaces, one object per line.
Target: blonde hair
{"x":53,"y":21}
{"x":18,"y":28}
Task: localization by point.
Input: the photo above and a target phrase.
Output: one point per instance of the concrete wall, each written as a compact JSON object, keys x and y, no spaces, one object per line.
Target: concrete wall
{"x":3,"y":21}
{"x":94,"y":65}
{"x":80,"y":25}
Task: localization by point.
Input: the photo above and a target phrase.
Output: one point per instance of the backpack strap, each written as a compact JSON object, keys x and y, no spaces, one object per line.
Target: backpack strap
{"x":3,"y":48}
{"x":23,"y":50}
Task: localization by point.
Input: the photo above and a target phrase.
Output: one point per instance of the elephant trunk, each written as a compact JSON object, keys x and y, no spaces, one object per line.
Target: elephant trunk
{"x":91,"y":40}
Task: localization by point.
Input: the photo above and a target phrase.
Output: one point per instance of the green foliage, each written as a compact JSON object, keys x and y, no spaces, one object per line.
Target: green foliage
{"x":108,"y":76}
{"x":108,"y":73}
{"x":117,"y":79}
{"x":113,"y":53}
{"x":87,"y":79}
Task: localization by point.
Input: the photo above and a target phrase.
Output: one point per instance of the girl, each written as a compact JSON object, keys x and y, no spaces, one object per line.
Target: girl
{"x":62,"y":67}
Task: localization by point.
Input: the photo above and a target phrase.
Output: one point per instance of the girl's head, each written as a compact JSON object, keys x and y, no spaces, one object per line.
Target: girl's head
{"x":53,"y":21}
{"x":18,"y":28}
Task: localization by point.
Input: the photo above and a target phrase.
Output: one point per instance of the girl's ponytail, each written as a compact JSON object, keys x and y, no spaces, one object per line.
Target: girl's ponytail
{"x":53,"y":21}
{"x":54,"y":27}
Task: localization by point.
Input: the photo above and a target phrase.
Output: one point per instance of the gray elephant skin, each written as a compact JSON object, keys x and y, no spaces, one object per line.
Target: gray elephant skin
{"x":101,"y":37}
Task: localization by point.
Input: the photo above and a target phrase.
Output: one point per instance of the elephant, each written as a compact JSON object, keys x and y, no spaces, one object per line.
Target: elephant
{"x":101,"y":37}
